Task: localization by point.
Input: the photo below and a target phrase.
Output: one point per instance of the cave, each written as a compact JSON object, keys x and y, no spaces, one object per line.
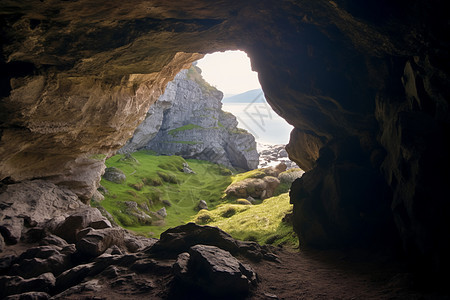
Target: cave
{"x":365,"y":85}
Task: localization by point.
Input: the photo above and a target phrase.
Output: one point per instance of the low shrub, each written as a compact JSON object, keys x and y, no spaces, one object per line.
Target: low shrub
{"x":203,"y":218}
{"x":228,"y":212}
{"x":137,"y":186}
{"x":167,"y":177}
{"x":156,"y":181}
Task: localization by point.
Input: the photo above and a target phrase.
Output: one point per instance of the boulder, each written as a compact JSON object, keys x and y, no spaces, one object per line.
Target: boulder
{"x":88,"y":286}
{"x":10,"y":285}
{"x":162,"y":212}
{"x":95,"y":242}
{"x":187,"y":169}
{"x":213,"y":272}
{"x":133,"y":210}
{"x":72,"y":277}
{"x":202,"y":205}
{"x":11,"y":229}
{"x":38,"y":260}
{"x":84,"y":217}
{"x":289,"y":176}
{"x":115,"y":175}
{"x":35,"y":201}
{"x":253,"y":187}
{"x":276,"y":170}
{"x":179,"y":239}
{"x":134,"y":243}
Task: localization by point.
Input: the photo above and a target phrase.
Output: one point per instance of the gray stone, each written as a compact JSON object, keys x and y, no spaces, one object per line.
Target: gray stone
{"x":179,"y":239}
{"x":115,"y":175}
{"x":162,"y":212}
{"x":180,"y":267}
{"x":6,"y":262}
{"x":53,"y":240}
{"x":11,"y":229}
{"x":166,"y":203}
{"x":39,"y":260}
{"x":16,"y":285}
{"x":187,"y":169}
{"x":96,"y":242}
{"x":77,"y":221}
{"x":215,"y":272}
{"x":91,"y":285}
{"x":72,"y":277}
{"x":97,"y":196}
{"x":202,"y":205}
{"x":135,"y":243}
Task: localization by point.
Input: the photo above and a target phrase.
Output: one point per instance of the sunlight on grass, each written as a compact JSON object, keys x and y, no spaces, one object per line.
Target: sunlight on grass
{"x":154,"y":182}
{"x":207,"y":184}
{"x":261,"y":223}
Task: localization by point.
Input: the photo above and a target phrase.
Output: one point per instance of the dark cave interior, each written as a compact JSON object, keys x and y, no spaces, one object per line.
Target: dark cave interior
{"x":366,"y":87}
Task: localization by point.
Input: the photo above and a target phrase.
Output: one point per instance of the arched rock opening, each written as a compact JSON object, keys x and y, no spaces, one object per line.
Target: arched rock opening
{"x":366,"y":87}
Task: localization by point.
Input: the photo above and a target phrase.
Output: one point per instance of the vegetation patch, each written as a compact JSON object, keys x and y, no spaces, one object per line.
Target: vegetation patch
{"x":261,"y":223}
{"x":173,"y":132}
{"x":185,"y":142}
{"x":153,"y":182}
{"x":162,"y":184}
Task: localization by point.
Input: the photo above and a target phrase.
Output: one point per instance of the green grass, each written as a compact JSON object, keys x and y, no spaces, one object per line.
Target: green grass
{"x":163,"y":180}
{"x":261,"y":223}
{"x":173,"y":132}
{"x":153,"y":180}
{"x":185,"y":142}
{"x":257,"y":173}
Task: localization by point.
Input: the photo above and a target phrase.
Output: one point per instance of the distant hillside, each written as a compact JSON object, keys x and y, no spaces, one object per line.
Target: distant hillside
{"x":252,"y":96}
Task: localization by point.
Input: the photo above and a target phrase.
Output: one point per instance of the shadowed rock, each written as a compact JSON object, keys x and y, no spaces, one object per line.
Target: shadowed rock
{"x":211,"y":271}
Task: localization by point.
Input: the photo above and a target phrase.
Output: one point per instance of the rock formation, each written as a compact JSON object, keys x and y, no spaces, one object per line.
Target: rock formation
{"x":66,"y":248}
{"x":187,"y":120}
{"x":364,"y":83}
{"x":272,"y":155}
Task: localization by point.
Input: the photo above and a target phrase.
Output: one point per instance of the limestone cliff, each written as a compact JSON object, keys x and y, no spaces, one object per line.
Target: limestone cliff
{"x":187,"y":120}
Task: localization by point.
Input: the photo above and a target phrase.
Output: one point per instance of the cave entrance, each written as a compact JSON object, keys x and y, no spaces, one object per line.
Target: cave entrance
{"x":231,"y":73}
{"x":195,"y":158}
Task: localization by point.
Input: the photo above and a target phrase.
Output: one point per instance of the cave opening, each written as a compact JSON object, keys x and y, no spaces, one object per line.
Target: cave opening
{"x":365,"y":86}
{"x":211,"y":150}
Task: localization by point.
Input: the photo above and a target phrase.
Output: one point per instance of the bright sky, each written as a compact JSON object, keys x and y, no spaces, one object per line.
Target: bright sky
{"x":229,"y":71}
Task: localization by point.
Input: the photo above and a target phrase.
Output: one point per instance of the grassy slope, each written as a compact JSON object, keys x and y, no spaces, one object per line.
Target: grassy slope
{"x":261,"y":223}
{"x":207,"y":184}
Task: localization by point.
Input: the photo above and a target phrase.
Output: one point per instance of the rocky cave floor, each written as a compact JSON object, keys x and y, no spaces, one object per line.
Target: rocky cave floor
{"x":55,"y":247}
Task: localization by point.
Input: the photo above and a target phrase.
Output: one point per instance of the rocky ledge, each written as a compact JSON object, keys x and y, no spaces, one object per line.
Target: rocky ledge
{"x":272,"y":155}
{"x":62,"y":249}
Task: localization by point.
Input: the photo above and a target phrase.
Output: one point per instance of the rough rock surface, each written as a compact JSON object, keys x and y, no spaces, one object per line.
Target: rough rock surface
{"x":211,"y":271}
{"x":85,"y":259}
{"x":187,"y":120}
{"x":272,"y":155}
{"x":78,"y":78}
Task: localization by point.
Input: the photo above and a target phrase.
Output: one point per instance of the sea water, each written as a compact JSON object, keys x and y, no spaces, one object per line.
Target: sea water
{"x":260,"y":120}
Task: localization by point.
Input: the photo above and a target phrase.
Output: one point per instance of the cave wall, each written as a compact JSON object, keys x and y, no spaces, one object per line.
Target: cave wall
{"x":365,"y":85}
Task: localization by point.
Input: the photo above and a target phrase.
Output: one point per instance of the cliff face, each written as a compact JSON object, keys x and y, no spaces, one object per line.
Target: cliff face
{"x":364,"y":83}
{"x":187,"y":120}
